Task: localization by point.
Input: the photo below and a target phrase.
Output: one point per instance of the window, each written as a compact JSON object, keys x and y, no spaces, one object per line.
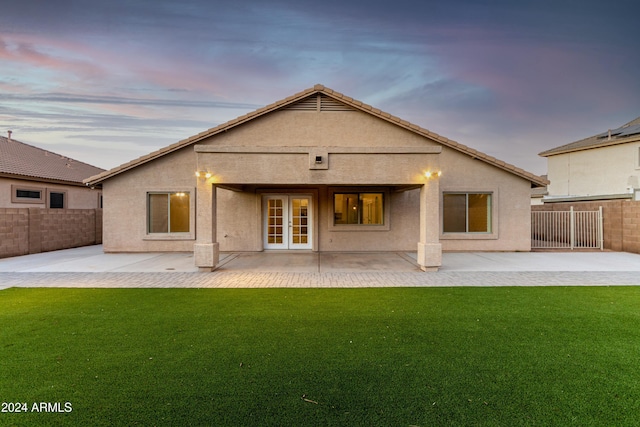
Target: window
{"x":21,"y":194}
{"x":358,"y":208}
{"x":56,"y":200}
{"x":29,"y":194}
{"x":466,"y":213}
{"x":169,"y":212}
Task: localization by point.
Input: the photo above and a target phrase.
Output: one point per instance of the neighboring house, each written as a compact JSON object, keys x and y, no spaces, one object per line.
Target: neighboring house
{"x":31,"y":177}
{"x":537,"y":193}
{"x":44,"y":205}
{"x":605,"y":166}
{"x":317,"y":171}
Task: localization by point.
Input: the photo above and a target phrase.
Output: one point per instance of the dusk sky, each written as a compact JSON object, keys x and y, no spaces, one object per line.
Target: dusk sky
{"x":105,"y":82}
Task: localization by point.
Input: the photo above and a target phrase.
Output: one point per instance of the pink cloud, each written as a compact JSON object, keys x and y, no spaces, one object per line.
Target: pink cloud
{"x":27,"y":52}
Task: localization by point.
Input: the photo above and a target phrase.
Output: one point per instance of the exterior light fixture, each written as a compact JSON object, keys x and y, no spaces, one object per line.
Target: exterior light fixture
{"x":200,"y":174}
{"x":429,"y":174}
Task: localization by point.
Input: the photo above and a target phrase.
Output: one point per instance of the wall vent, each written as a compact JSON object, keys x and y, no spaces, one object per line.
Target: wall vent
{"x":319,"y":103}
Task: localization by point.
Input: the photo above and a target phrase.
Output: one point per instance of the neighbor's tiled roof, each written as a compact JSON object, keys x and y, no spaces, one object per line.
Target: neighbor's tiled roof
{"x":534,"y":179}
{"x":23,"y":160}
{"x":625,"y":133}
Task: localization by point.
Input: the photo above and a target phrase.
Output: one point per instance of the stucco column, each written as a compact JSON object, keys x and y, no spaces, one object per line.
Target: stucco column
{"x":429,"y":247}
{"x":206,"y":250}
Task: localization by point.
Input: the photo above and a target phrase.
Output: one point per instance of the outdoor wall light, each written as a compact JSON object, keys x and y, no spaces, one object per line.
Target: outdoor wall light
{"x":207,"y":175}
{"x":429,"y":174}
{"x":318,"y":159}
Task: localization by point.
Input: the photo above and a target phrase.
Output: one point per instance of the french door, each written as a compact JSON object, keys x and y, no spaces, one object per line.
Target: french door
{"x":287,"y":221}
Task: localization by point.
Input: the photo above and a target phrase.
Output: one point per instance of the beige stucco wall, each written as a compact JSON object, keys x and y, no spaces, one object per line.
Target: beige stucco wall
{"x":310,"y":129}
{"x":602,"y":171}
{"x":511,"y":204}
{"x":125,"y":204}
{"x":360,"y":151}
{"x":77,"y":197}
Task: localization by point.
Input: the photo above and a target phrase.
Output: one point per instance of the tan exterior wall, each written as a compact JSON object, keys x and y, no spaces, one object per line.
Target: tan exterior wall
{"x":601,"y":171}
{"x":326,"y":129}
{"x":511,"y":204}
{"x":33,"y":230}
{"x":125,"y":204}
{"x":76,"y":197}
{"x":274,"y":153}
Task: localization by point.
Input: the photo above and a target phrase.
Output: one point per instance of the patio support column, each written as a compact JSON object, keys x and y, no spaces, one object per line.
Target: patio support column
{"x":429,"y":247}
{"x":206,"y":250}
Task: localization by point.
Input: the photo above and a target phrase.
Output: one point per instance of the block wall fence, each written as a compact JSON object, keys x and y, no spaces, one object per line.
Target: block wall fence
{"x":620,"y":221}
{"x":33,"y":230}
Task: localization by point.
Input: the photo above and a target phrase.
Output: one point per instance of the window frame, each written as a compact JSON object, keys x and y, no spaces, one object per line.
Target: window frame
{"x":386,"y":211}
{"x":65,"y":199}
{"x":492,"y":234}
{"x":29,"y":200}
{"x":181,"y":235}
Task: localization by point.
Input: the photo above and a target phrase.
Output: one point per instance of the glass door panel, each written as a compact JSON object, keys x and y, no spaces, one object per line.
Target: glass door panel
{"x":276,"y":223}
{"x":287,"y":222}
{"x":300,"y":225}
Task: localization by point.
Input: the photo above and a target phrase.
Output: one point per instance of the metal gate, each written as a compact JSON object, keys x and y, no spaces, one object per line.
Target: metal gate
{"x":567,"y":229}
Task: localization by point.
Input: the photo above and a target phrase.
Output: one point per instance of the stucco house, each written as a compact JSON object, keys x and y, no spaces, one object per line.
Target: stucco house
{"x":31,"y":177}
{"x":317,"y":171}
{"x":605,"y":166}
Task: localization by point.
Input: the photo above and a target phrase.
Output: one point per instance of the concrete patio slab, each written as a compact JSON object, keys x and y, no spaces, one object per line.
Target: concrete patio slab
{"x":90,"y":268}
{"x":92,"y":259}
{"x":314,"y":262}
{"x":540,"y":261}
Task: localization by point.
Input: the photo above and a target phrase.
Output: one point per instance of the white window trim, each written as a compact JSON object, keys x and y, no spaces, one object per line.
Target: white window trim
{"x":191,"y":234}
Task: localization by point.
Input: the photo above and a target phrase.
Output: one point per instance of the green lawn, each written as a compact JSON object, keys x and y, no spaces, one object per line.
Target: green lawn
{"x":371,"y":357}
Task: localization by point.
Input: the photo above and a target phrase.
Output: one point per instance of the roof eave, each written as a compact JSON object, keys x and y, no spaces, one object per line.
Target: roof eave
{"x":41,"y":179}
{"x":602,"y":144}
{"x":97,"y":179}
{"x":535,"y":180}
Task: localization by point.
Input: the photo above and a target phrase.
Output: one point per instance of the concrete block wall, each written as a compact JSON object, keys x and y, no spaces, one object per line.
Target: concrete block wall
{"x":620,"y":221}
{"x":33,"y":230}
{"x":14,"y":232}
{"x":631,"y":227}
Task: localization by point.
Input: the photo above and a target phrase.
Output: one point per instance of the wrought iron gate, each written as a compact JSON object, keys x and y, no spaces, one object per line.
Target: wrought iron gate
{"x":567,"y":229}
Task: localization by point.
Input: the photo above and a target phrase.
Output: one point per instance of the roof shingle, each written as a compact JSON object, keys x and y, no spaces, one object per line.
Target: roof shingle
{"x":534,"y":179}
{"x":20,"y":159}
{"x":625,"y":133}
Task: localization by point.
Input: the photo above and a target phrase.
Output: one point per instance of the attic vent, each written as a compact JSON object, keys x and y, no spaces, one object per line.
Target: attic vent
{"x":319,"y":102}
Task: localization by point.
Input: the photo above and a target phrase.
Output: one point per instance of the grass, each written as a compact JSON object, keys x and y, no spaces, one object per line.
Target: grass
{"x":370,"y":357}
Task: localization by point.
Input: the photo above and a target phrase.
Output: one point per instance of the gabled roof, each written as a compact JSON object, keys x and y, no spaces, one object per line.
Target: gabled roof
{"x":24,"y":161}
{"x":349,"y":102}
{"x":625,"y":133}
